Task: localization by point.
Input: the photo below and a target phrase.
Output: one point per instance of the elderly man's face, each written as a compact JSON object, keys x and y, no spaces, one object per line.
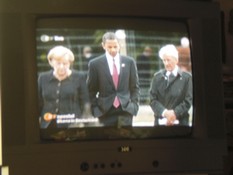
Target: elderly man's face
{"x":169,"y":62}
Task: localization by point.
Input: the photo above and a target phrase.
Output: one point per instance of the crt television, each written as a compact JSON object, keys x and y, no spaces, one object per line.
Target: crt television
{"x":30,"y":28}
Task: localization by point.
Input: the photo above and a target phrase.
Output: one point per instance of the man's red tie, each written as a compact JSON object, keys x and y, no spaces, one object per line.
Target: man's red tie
{"x":115,"y":78}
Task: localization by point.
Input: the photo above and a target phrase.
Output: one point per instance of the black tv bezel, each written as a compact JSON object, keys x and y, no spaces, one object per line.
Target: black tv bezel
{"x":21,"y":143}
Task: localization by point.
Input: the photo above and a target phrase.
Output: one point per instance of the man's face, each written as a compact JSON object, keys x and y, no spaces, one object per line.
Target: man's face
{"x":111,"y":46}
{"x":169,"y":62}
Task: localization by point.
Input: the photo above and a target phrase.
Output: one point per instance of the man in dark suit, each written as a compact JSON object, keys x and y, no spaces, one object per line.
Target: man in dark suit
{"x":171,"y":90}
{"x":113,"y":85}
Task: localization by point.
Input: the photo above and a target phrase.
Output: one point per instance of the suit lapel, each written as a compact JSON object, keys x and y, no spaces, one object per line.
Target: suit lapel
{"x":122,"y":70}
{"x":106,"y":70}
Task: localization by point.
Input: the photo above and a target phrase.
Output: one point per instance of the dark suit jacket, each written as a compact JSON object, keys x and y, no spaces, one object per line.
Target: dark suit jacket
{"x":101,"y":88}
{"x":177,"y":95}
{"x":62,"y":97}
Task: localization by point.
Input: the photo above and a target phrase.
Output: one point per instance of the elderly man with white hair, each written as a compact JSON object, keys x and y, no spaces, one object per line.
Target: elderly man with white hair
{"x":171,"y":92}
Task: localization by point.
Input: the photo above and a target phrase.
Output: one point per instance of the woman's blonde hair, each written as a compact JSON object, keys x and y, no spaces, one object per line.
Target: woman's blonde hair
{"x":60,"y":52}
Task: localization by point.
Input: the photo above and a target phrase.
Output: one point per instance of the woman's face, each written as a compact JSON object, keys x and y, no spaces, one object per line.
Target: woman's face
{"x":61,"y":66}
{"x":169,"y":62}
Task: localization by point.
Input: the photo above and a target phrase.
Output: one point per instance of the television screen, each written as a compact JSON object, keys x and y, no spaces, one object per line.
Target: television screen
{"x":65,"y":114}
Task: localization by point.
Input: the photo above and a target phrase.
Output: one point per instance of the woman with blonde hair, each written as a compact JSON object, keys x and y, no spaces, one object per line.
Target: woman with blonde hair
{"x":62,"y":90}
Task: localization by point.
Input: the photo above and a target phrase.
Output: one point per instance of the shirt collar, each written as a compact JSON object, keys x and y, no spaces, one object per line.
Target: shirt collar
{"x":174,"y":72}
{"x":110,"y":58}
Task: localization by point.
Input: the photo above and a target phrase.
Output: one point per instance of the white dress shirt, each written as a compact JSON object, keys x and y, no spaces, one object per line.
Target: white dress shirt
{"x":110,"y":62}
{"x":174,"y":72}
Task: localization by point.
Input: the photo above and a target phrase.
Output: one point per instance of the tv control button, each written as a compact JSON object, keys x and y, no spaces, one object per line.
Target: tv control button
{"x":119,"y":164}
{"x":96,"y":166}
{"x":155,"y":163}
{"x":112,"y":165}
{"x":102,"y":165}
{"x":84,"y":166}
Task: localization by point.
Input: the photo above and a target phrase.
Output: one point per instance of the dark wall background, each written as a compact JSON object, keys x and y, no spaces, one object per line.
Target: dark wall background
{"x":227,"y":25}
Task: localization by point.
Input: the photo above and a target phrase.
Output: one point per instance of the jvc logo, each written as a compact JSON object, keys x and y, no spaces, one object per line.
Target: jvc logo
{"x":125,"y":149}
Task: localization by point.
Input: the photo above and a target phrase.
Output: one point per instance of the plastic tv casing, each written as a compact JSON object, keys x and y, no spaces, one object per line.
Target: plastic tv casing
{"x":23,"y":151}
